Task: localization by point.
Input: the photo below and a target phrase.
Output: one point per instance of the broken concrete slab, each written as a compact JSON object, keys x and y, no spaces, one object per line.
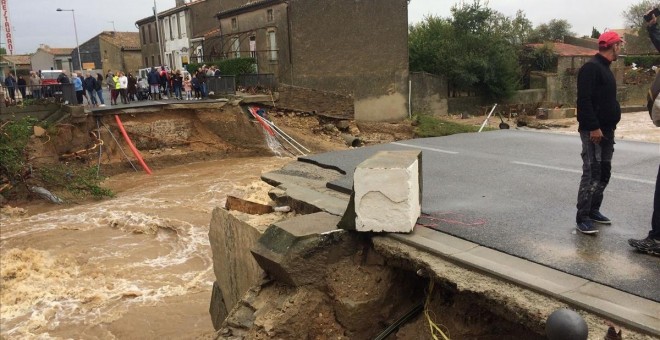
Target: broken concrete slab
{"x":314,"y":238}
{"x":248,"y":207}
{"x":234,"y":267}
{"x":217,"y":308}
{"x":388,"y":191}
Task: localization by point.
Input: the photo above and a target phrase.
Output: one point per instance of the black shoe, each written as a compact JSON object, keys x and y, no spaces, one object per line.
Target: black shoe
{"x":647,"y":245}
{"x":596,"y":216}
{"x":586,"y":227}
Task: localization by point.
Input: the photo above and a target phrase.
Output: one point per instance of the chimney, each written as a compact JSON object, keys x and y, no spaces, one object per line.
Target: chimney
{"x":180,"y":3}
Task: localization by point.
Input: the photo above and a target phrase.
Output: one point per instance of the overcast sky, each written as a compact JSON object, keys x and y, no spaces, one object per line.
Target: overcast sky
{"x":37,"y":21}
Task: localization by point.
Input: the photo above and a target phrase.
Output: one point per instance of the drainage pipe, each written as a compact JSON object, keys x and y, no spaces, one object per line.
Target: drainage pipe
{"x":351,"y":140}
{"x":130,"y":144}
{"x":284,"y":133}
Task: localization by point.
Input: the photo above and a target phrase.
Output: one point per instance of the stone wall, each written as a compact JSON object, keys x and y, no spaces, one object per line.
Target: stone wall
{"x":354,"y":47}
{"x":428,"y":93}
{"x":306,"y":99}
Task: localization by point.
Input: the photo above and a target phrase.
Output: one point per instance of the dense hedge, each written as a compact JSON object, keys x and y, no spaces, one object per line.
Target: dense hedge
{"x":645,"y":61}
{"x":234,"y":66}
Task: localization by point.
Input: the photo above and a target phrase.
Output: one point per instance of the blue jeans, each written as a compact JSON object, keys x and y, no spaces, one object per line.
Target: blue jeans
{"x":596,"y":173}
{"x":100,"y":94}
{"x":205,"y":92}
{"x":92,"y":96}
{"x":177,"y":91}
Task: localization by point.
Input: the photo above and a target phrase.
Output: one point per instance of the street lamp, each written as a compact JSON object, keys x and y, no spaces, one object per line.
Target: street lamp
{"x":75,"y":29}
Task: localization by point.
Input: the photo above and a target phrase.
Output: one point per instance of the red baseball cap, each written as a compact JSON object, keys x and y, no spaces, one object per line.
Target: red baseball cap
{"x":608,"y":39}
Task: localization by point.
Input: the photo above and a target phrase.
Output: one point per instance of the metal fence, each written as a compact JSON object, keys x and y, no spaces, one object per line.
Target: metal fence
{"x":58,"y":93}
{"x":264,"y":80}
{"x":223,"y":84}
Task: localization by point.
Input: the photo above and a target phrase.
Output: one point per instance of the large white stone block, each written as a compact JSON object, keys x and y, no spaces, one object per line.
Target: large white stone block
{"x":387,"y":192}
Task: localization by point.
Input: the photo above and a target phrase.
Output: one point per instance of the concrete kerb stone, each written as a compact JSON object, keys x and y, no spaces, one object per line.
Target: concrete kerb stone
{"x":388,"y":191}
{"x":296,"y":251}
{"x":626,"y":309}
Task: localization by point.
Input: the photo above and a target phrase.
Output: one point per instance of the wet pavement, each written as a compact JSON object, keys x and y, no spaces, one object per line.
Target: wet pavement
{"x":515,"y":191}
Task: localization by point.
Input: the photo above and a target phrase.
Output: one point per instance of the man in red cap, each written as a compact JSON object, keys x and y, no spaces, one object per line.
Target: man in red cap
{"x":598,"y":113}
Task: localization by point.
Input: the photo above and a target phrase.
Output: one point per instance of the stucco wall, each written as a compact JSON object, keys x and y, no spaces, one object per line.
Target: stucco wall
{"x":256,"y":23}
{"x":428,"y":93}
{"x":42,"y":60}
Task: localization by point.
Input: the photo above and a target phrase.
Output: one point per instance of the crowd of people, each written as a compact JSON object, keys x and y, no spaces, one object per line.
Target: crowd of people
{"x":26,"y":88}
{"x":160,"y":83}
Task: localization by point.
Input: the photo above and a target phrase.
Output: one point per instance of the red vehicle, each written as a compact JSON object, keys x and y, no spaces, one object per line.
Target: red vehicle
{"x":49,"y":77}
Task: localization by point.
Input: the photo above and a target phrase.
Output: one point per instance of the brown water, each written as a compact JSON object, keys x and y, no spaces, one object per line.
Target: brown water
{"x":134,"y":267}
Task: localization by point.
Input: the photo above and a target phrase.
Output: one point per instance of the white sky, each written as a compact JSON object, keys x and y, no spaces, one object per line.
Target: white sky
{"x":36,"y":21}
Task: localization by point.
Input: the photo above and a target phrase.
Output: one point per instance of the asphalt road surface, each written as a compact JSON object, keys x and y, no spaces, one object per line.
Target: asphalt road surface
{"x":515,"y":191}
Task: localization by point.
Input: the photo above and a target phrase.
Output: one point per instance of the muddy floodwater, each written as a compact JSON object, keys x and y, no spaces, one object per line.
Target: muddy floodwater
{"x":133,"y":267}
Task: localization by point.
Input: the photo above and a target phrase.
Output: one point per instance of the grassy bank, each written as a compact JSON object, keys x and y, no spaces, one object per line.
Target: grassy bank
{"x":431,"y":126}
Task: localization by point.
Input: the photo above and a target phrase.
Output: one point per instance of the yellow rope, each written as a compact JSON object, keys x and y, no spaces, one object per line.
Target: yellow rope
{"x":433,"y":326}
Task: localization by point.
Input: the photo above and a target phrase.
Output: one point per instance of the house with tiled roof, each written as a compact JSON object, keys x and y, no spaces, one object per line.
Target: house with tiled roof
{"x":18,"y":64}
{"x":561,"y":81}
{"x":51,"y":58}
{"x":110,"y":50}
{"x":179,"y":32}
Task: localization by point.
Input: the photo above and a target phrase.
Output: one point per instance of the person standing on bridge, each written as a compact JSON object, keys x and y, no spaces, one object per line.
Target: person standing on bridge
{"x":651,"y":244}
{"x":598,"y":113}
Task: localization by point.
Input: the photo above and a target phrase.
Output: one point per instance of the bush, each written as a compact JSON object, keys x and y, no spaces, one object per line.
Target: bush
{"x":233,"y":67}
{"x":14,"y":137}
{"x":645,"y":61}
{"x":17,"y":174}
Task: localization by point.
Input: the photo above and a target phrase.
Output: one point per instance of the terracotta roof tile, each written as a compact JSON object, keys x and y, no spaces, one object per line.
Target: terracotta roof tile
{"x":246,"y":7}
{"x":566,"y":50}
{"x":57,"y":50}
{"x":18,"y":59}
{"x":130,"y":40}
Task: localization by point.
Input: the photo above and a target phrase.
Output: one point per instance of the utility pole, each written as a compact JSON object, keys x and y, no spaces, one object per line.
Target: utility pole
{"x":113,"y":26}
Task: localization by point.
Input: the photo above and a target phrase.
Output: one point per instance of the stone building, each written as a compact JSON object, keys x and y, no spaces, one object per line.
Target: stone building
{"x":18,"y":63}
{"x":178,"y":26}
{"x":561,"y":85}
{"x":358,"y":48}
{"x":110,"y":51}
{"x":51,"y":58}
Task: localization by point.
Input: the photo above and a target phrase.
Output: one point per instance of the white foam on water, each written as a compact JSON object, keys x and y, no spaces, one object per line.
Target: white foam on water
{"x":147,"y":250}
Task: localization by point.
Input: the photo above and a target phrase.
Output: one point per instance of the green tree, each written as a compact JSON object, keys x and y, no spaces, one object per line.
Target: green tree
{"x":634,"y":15}
{"x":3,"y":51}
{"x":474,"y":49}
{"x":595,"y":34}
{"x":554,"y":30}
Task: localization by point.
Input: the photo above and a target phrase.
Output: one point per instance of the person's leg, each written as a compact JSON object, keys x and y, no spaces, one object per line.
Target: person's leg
{"x":590,"y":172}
{"x":92,"y":97}
{"x":604,"y":153}
{"x":100,"y":94}
{"x":79,"y":97}
{"x":12,"y":94}
{"x":651,"y":244}
{"x":655,"y":218}
{"x":37,"y":93}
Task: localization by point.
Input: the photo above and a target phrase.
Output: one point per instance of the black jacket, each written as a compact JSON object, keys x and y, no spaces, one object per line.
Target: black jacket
{"x":597,"y":107}
{"x":89,"y":84}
